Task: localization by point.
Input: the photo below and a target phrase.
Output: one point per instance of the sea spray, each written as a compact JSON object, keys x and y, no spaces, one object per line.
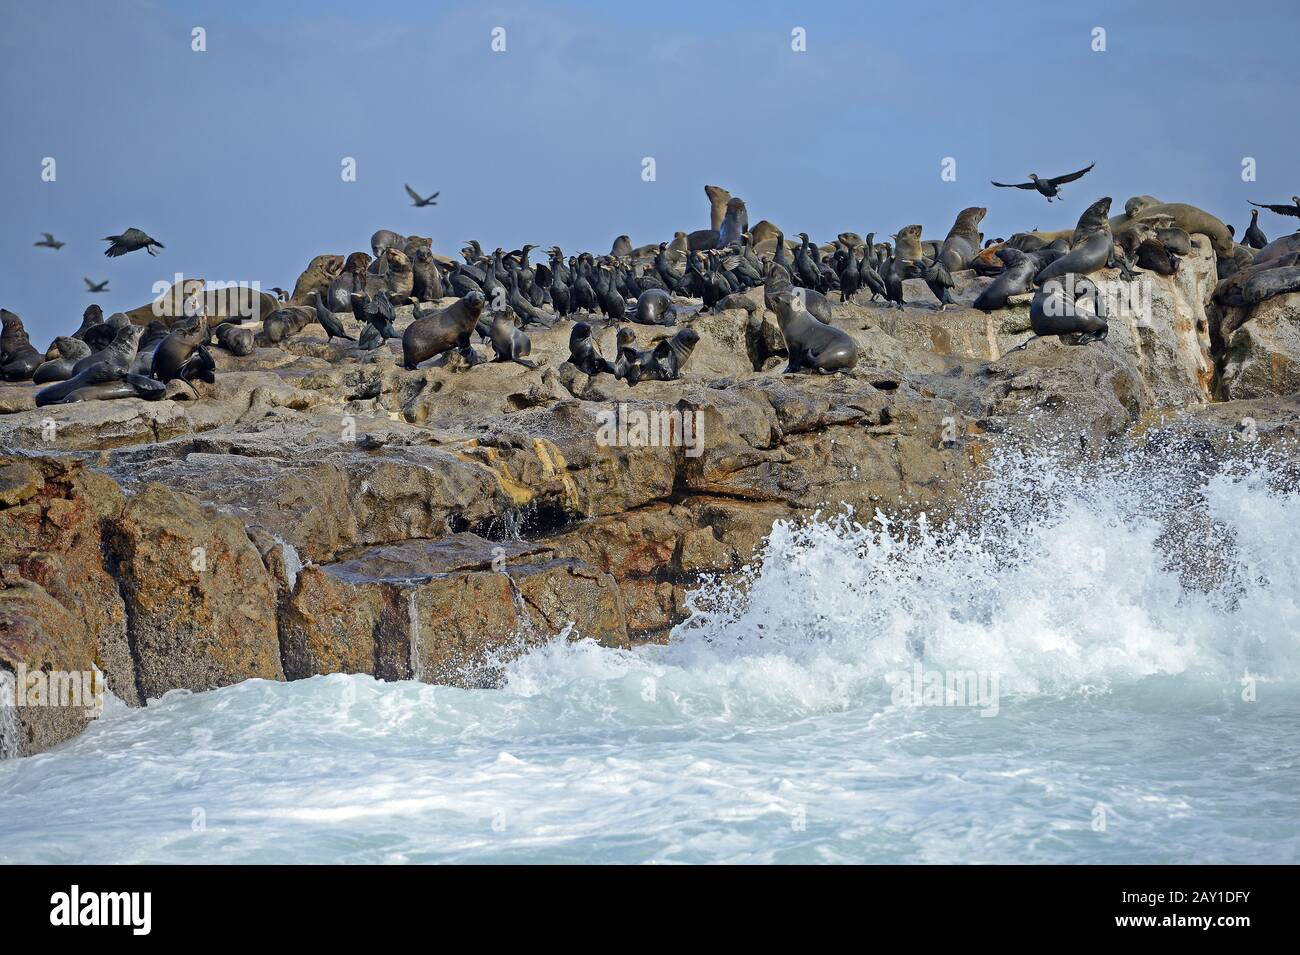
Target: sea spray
{"x":8,"y":715}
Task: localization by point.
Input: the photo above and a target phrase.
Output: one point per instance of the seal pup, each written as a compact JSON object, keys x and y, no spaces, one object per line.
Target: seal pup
{"x":70,"y":350}
{"x":810,"y":343}
{"x":1046,"y":187}
{"x":235,"y":338}
{"x":654,"y":307}
{"x":285,"y":322}
{"x":130,"y":241}
{"x":19,"y":359}
{"x":583,"y":353}
{"x":671,"y":355}
{"x":448,"y":328}
{"x":509,"y":341}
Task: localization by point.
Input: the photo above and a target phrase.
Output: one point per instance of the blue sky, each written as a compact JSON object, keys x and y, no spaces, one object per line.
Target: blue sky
{"x":232,"y":157}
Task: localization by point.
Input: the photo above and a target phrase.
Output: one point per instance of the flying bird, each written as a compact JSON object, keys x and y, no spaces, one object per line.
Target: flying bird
{"x":130,"y":241}
{"x":49,"y":242}
{"x":93,"y":287}
{"x":420,"y":201}
{"x":1046,"y":187}
{"x":1282,"y":210}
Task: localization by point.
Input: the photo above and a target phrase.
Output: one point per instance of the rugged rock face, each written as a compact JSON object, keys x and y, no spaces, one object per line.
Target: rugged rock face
{"x":321,"y":509}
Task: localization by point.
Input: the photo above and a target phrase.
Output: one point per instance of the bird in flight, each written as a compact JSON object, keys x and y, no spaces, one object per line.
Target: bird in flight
{"x":49,"y":242}
{"x":130,"y":241}
{"x":93,"y":287}
{"x":420,"y":201}
{"x":1282,"y":210}
{"x":1046,"y":187}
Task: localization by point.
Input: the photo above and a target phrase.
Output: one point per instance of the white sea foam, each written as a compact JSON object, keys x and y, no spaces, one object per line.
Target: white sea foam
{"x":1142,"y":620}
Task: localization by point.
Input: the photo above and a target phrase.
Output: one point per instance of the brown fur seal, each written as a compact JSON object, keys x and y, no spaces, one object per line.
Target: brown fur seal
{"x":963,"y":241}
{"x":654,"y":307}
{"x":718,"y":199}
{"x":907,"y":243}
{"x":426,"y":280}
{"x":102,"y":381}
{"x":1077,"y":319}
{"x":810,"y":343}
{"x":177,"y":347}
{"x":18,"y":358}
{"x":92,"y":316}
{"x":448,"y":328}
{"x":1270,"y":282}
{"x":70,"y":350}
{"x":235,"y":338}
{"x":398,"y":279}
{"x":583,"y":353}
{"x":622,"y":247}
{"x":318,"y":275}
{"x":671,"y":355}
{"x":509,"y":341}
{"x":118,"y":355}
{"x":383,"y":240}
{"x":1094,"y":248}
{"x":286,"y":322}
{"x":353,"y":279}
{"x":1188,"y":218}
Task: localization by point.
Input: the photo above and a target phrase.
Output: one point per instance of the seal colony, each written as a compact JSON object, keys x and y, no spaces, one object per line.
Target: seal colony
{"x":496,"y":297}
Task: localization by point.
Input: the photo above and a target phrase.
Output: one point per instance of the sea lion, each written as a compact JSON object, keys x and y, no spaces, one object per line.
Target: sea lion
{"x":70,"y":350}
{"x":1137,"y":203}
{"x":235,"y":339}
{"x":19,"y":359}
{"x":762,"y":232}
{"x":735,"y":222}
{"x":907,"y":243}
{"x":200,"y":366}
{"x":963,"y":241}
{"x":702,"y":239}
{"x":1016,"y":278}
{"x":810,"y":343}
{"x":622,"y":247}
{"x":398,"y":278}
{"x":814,"y":302}
{"x":654,"y":307}
{"x":177,"y":347}
{"x":671,"y":355}
{"x":318,"y":275}
{"x":629,"y":362}
{"x":509,"y":341}
{"x":426,"y":280}
{"x":447,"y":328}
{"x":583,"y":353}
{"x":1154,"y":255}
{"x":1095,"y":218}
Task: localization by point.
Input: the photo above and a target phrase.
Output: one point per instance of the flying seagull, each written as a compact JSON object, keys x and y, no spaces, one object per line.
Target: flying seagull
{"x":1046,"y":187}
{"x":1282,"y":210}
{"x":130,"y":241}
{"x":93,"y":287}
{"x":420,"y":201}
{"x":49,"y":242}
